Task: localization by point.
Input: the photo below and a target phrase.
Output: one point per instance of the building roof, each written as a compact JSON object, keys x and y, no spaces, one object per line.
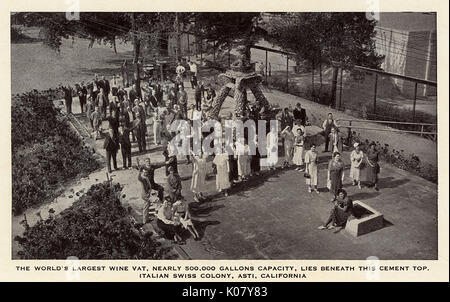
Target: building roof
{"x":408,"y":21}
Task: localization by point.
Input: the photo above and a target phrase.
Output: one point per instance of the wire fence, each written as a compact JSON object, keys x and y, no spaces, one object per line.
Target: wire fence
{"x":360,"y":92}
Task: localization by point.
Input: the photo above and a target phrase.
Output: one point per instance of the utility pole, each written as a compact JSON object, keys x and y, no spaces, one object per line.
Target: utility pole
{"x":137,"y":48}
{"x":177,"y":29}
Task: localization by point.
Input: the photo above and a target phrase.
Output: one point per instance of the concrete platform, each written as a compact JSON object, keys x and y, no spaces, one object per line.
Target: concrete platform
{"x":367,"y":220}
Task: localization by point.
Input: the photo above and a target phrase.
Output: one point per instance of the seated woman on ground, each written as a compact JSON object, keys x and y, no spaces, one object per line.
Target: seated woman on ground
{"x":166,"y":222}
{"x":341,"y":211}
{"x":181,"y":213}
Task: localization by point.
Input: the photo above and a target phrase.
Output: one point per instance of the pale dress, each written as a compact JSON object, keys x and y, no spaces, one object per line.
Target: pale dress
{"x":244,"y":163}
{"x":289,"y":139}
{"x":222,"y":178}
{"x":298,"y":151}
{"x":198,"y":175}
{"x":311,"y":159}
{"x":355,"y":168}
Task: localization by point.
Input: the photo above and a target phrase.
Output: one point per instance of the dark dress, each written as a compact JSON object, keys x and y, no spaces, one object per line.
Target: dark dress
{"x":342,"y":210}
{"x":373,"y":168}
{"x":174,"y":182}
{"x":234,"y":174}
{"x":336,"y":169}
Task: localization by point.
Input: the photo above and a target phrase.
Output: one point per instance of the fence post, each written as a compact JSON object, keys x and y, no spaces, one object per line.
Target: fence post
{"x":266,"y":66}
{"x":201,"y":52}
{"x":375,"y":94}
{"x":421,"y":131}
{"x":188,"y":47}
{"x":340,"y":93}
{"x":287,"y":73}
{"x":349,"y":133}
{"x":414,"y":104}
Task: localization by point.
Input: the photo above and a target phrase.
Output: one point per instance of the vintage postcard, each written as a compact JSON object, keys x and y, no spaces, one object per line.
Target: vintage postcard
{"x":163,"y":141}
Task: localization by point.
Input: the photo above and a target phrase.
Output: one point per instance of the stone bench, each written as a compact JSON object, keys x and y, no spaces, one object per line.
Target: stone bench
{"x":366,"y":219}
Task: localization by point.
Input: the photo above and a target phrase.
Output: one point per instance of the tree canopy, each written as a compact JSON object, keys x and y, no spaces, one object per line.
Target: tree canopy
{"x":347,"y":38}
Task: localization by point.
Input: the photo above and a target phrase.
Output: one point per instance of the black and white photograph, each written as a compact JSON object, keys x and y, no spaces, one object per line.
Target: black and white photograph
{"x":225,"y":135}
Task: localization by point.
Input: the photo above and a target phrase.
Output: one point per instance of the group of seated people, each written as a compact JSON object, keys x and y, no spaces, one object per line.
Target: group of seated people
{"x":171,"y":211}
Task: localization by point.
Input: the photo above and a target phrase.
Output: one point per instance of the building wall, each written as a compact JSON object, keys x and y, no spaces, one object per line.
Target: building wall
{"x":410,"y":53}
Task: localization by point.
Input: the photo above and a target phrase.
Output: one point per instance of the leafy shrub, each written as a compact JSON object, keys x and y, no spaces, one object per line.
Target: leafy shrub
{"x":96,"y":226}
{"x":398,"y":158}
{"x":45,"y":151}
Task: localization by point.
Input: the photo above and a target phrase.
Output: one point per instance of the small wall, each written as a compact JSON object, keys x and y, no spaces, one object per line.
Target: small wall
{"x":369,"y":220}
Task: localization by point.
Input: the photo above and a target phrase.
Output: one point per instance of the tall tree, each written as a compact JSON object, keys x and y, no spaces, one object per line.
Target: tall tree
{"x":324,"y":38}
{"x":225,"y":30}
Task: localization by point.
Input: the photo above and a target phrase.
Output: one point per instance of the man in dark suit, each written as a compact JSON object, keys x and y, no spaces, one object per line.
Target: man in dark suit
{"x":132,"y":94}
{"x":82,"y":95}
{"x":153,"y":100}
{"x":125,"y":144}
{"x":300,"y":114}
{"x":106,"y":86}
{"x":111,"y":145}
{"x":139,"y":132}
{"x":199,"y":95}
{"x":68,"y":98}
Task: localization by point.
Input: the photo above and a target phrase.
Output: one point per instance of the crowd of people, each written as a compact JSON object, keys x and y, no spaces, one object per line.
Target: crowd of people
{"x":127,"y":111}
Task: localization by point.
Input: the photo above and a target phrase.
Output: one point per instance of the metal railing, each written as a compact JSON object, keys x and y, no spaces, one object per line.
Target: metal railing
{"x":422,"y":132}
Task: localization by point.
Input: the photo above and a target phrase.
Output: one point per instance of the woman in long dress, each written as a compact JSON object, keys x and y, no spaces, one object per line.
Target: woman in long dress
{"x":181,"y":213}
{"x":289,"y":139}
{"x":335,"y":174}
{"x":373,"y":168}
{"x":356,"y":159}
{"x":198,"y":175}
{"x":223,"y":170}
{"x":243,"y":161}
{"x":311,"y":162}
{"x":298,"y":150}
{"x":272,"y":150}
{"x":340,"y":213}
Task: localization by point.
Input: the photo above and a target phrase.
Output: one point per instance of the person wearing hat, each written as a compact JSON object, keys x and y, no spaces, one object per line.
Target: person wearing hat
{"x":373,"y":168}
{"x":356,"y":159}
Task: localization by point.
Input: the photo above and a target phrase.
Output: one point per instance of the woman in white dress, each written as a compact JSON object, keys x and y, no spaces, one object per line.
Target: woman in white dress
{"x":311,"y":162}
{"x":198,"y":175}
{"x":272,"y":150}
{"x":298,"y":149}
{"x":289,"y":139}
{"x":356,"y":159}
{"x":243,"y":160}
{"x":223,"y":170}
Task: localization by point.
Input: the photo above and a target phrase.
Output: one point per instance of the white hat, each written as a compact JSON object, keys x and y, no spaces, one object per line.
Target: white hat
{"x":355,"y":145}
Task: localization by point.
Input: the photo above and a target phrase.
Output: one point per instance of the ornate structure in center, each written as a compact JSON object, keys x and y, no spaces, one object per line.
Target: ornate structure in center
{"x":238,"y":79}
